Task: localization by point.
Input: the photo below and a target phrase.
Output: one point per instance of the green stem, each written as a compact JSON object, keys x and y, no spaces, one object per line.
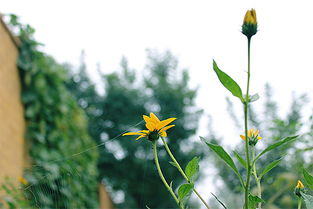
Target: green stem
{"x":257,"y":179}
{"x":246,"y":104}
{"x":182,"y":172}
{"x":299,"y":202}
{"x":161,"y":174}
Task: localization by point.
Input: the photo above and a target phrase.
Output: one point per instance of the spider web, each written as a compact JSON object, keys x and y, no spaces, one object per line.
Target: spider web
{"x":49,"y":190}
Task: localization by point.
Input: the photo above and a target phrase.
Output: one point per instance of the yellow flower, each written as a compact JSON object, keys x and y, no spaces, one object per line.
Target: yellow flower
{"x":250,"y":24}
{"x":252,"y":134}
{"x":22,"y":180}
{"x":156,"y":128}
{"x":250,"y":17}
{"x":299,"y":185}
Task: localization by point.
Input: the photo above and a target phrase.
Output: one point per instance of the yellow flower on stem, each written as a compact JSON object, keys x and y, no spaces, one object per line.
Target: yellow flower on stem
{"x":250,"y":24}
{"x":299,"y":185}
{"x":156,"y":128}
{"x":253,"y":136}
{"x":299,"y":188}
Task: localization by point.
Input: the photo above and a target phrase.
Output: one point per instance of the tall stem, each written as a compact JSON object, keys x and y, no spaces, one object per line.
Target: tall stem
{"x":161,"y":174}
{"x":257,"y":179}
{"x":182,"y":172}
{"x":246,"y":104}
{"x":299,"y":202}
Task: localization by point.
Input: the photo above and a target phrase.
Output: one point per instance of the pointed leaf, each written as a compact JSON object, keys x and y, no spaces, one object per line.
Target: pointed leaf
{"x":225,"y":157}
{"x":228,"y":82}
{"x":308,"y":199}
{"x":308,"y":179}
{"x":241,"y":160}
{"x":192,"y":169}
{"x":173,"y":164}
{"x":253,"y":201}
{"x":184,"y":192}
{"x":270,"y":167}
{"x":275,"y":145}
{"x":254,"y":97}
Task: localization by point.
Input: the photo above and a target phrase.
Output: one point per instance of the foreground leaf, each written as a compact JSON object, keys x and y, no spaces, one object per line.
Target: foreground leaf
{"x":241,"y":160}
{"x":184,"y":192}
{"x":228,"y":82}
{"x":275,"y":145}
{"x":308,"y":199}
{"x":253,"y":201}
{"x":225,"y":157}
{"x":308,"y":179}
{"x":192,"y":169}
{"x":270,"y":167}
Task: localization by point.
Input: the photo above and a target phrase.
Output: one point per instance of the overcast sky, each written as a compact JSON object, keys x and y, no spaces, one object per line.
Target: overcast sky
{"x":195,"y":31}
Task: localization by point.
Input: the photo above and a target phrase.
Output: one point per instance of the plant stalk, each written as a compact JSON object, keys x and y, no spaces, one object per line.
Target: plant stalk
{"x":182,"y":172}
{"x":161,"y":174}
{"x":299,"y":202}
{"x":257,"y":179}
{"x":246,"y":106}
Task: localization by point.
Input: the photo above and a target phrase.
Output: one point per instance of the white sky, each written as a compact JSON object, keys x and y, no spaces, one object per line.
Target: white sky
{"x":195,"y":31}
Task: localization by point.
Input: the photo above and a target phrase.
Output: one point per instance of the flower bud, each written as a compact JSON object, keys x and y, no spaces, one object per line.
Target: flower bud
{"x":299,"y":188}
{"x":249,"y":26}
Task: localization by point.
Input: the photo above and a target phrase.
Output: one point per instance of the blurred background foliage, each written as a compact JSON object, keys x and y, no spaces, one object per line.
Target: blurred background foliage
{"x":67,"y":113}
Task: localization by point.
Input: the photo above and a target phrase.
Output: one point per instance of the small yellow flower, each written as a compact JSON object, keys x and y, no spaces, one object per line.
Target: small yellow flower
{"x":252,"y":134}
{"x":156,"y":128}
{"x":22,"y":180}
{"x":250,"y":24}
{"x":299,"y":185}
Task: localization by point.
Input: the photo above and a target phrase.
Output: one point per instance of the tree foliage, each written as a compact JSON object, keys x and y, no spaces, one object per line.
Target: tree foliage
{"x":127,"y":165}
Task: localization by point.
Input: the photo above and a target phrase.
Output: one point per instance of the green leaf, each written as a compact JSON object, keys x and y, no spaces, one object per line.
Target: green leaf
{"x":241,"y":160}
{"x":270,"y":167}
{"x":308,"y":179}
{"x":254,"y":97}
{"x":192,"y":169}
{"x":224,"y":156}
{"x":275,"y":145}
{"x":184,"y":192}
{"x":173,"y":164}
{"x":308,"y":199}
{"x":253,"y":201}
{"x":228,"y":82}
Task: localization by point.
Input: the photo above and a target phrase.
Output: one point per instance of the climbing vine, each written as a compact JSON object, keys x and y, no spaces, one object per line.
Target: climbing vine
{"x":56,"y":131}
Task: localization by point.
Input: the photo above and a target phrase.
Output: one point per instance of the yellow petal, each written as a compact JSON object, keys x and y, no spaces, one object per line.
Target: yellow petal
{"x":139,"y":137}
{"x":144,"y":131}
{"x":133,"y":133}
{"x":154,"y":118}
{"x":147,"y":119}
{"x":151,"y":126}
{"x":257,"y":132}
{"x":243,"y":137}
{"x":167,"y":127}
{"x":259,"y":137}
{"x":249,"y":133}
{"x":163,"y":134}
{"x":164,"y":123}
